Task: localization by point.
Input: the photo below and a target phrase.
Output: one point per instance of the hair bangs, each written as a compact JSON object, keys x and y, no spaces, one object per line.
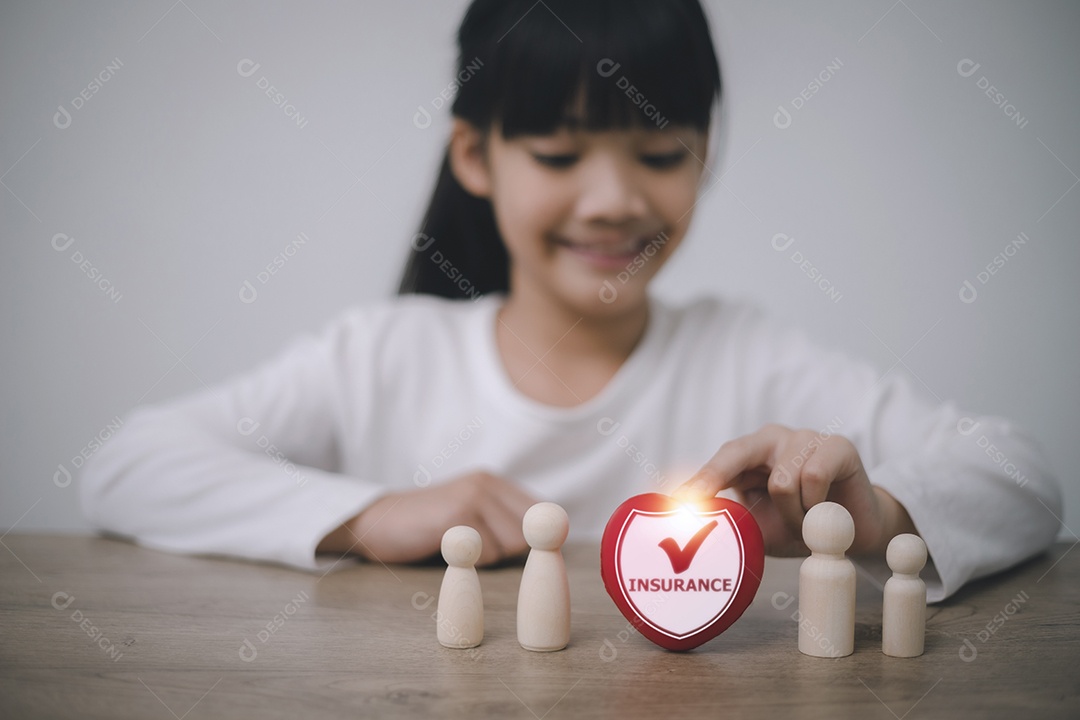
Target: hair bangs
{"x":590,"y":64}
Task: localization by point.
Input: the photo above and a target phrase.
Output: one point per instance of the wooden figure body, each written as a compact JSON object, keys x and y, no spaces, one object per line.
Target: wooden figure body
{"x":460,"y":614}
{"x":903,"y":617}
{"x":543,"y":611}
{"x":827,"y":583}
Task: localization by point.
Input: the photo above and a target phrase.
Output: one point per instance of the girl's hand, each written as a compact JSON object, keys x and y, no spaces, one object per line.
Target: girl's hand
{"x":780,"y":473}
{"x":408,"y":526}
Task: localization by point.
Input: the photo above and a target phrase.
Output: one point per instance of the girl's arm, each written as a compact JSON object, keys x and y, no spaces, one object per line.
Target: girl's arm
{"x":249,"y":468}
{"x":976,"y":488}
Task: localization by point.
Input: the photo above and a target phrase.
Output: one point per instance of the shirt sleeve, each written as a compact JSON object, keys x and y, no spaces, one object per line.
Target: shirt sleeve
{"x":978,"y":489}
{"x":249,"y":468}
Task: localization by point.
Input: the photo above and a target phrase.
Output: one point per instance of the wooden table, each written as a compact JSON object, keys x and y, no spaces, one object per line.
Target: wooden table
{"x":92,"y":627}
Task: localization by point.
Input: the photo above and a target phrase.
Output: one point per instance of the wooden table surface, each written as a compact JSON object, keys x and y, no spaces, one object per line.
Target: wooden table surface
{"x":93,"y":627}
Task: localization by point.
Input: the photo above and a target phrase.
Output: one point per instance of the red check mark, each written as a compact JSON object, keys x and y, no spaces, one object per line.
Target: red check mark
{"x":682,"y":557}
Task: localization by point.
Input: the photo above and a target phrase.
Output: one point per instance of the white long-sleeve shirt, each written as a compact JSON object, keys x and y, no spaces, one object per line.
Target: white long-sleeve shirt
{"x":412,"y":391}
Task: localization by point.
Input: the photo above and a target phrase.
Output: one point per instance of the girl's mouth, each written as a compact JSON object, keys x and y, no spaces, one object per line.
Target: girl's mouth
{"x":607,"y":254}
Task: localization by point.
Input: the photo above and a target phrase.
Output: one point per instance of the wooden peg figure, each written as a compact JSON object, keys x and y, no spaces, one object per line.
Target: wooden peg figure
{"x":903,"y":617}
{"x":543,"y":611}
{"x":461,"y":607}
{"x":827,"y":583}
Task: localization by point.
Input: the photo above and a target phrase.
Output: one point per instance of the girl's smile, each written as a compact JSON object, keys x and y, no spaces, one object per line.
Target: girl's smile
{"x":604,"y":253}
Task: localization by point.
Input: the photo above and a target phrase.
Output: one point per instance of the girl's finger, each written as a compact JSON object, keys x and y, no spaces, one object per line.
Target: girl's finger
{"x":817,"y":476}
{"x":838,"y":462}
{"x":835,"y":460}
{"x":733,"y":458}
{"x":505,"y":524}
{"x":785,"y":495}
{"x":785,"y":481}
{"x":510,"y":504}
{"x":490,"y":548}
{"x":515,"y":499}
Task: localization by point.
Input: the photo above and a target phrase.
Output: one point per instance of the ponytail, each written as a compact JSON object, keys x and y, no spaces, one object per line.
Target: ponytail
{"x":458,"y":253}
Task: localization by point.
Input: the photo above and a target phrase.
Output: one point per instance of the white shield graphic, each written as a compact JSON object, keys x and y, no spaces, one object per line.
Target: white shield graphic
{"x":650,"y":583}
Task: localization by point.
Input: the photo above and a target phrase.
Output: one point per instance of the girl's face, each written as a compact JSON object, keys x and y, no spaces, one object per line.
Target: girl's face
{"x":589,"y":218}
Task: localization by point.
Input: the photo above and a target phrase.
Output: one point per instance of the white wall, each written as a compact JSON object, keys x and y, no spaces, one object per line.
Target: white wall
{"x":179,"y":179}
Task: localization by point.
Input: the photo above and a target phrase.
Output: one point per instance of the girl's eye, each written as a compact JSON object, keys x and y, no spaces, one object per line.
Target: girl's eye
{"x":663,"y":161}
{"x":657,"y":161}
{"x":555,"y":161}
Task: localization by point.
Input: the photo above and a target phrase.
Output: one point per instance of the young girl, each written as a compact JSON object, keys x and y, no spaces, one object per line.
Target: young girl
{"x":526,"y":361}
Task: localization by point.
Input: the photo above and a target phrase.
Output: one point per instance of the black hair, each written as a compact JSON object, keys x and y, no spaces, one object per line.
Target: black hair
{"x":524,"y":65}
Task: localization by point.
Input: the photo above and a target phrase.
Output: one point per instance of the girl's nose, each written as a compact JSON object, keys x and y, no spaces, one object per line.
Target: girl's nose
{"x":609,"y":192}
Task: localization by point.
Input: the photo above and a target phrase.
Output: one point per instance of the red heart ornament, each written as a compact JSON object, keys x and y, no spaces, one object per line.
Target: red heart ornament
{"x":681,"y":573}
